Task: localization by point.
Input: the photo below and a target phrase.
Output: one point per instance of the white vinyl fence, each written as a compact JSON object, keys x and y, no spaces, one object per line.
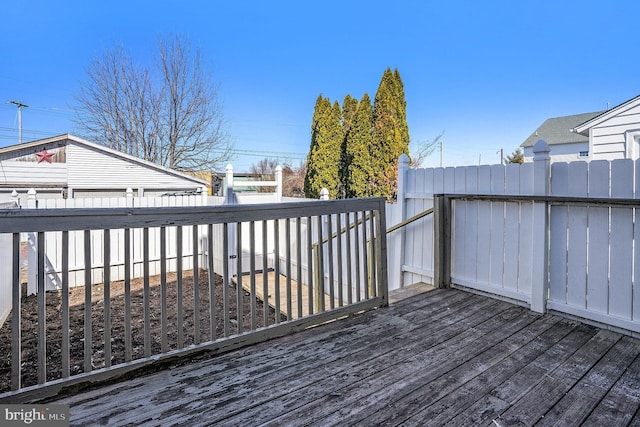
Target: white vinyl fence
{"x":559,"y":236}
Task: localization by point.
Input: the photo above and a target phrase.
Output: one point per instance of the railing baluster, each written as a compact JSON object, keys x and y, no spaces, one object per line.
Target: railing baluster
{"x":147,"y":292}
{"x":164,"y":345}
{"x":212,"y":284}
{"x":372,"y":258}
{"x":365,"y":258}
{"x":128,"y":356}
{"x":339,"y":258}
{"x":330,"y":261}
{"x":276,"y":256}
{"x":252,"y":268}
{"x":179,"y":290}
{"x":239,"y":290}
{"x":16,"y":327}
{"x":196,"y":287}
{"x":356,"y":247}
{"x":310,"y":262}
{"x":320,"y":272}
{"x":265,"y":274}
{"x":66,"y":365}
{"x":349,"y":266}
{"x":299,"y":262}
{"x":42,"y":314}
{"x":107,"y":296}
{"x":87,"y":301}
{"x":227,"y":279}
{"x":288,"y":265}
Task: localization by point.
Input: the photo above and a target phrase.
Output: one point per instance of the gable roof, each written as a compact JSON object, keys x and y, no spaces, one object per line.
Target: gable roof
{"x":61,"y":140}
{"x":583,"y":128}
{"x":560,"y":130}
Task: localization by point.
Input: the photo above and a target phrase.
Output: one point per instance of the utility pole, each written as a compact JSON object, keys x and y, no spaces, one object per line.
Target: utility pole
{"x":440,"y":153}
{"x":19,"y":105}
{"x":501,"y":151}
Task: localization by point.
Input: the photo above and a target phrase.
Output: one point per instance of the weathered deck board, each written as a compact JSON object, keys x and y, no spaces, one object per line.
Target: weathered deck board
{"x":443,"y":357}
{"x":285,"y":292}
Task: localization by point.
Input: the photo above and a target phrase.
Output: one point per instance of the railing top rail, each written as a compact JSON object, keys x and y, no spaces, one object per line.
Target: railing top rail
{"x":35,"y":220}
{"x":552,"y":200}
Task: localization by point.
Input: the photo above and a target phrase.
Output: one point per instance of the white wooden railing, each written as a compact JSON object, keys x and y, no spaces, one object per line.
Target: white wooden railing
{"x":363,"y":284}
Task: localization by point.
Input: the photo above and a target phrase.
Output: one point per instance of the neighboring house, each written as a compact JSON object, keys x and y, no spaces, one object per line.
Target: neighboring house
{"x":66,"y":166}
{"x":608,"y":135}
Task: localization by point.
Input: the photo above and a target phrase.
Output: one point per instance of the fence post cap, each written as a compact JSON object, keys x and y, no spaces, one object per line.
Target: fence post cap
{"x":278,"y":168}
{"x":541,"y":147}
{"x":31,"y":192}
{"x":403,"y":159}
{"x":229,"y":167}
{"x":14,"y":193}
{"x":324,"y":194}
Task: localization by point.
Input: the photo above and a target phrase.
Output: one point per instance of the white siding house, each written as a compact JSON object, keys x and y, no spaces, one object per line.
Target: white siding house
{"x":68,"y":166}
{"x":603,"y":135}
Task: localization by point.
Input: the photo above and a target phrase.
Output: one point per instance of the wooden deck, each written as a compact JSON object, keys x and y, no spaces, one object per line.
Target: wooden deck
{"x":443,"y":357}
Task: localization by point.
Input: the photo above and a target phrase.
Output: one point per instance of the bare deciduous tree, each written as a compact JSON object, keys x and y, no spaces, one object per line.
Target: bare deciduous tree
{"x":292,"y":177}
{"x":423,"y":149}
{"x":169,"y":115}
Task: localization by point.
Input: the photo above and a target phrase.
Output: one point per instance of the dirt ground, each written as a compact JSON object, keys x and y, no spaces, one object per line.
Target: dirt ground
{"x":29,"y":324}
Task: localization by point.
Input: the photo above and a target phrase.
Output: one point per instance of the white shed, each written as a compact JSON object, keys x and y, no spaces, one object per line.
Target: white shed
{"x":67,"y":166}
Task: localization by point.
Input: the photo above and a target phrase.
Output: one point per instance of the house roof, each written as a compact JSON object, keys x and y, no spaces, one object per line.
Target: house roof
{"x":559,"y":130}
{"x":583,"y":128}
{"x":61,"y":140}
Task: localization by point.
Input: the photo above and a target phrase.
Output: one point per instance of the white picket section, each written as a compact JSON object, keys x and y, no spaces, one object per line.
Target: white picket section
{"x":577,"y":237}
{"x":483,"y":265}
{"x":621,"y":253}
{"x":525,"y":233}
{"x":497,"y":229}
{"x":598,"y":237}
{"x":558,"y":235}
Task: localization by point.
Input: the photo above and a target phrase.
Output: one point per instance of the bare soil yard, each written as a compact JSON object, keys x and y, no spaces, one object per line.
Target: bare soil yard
{"x":117,"y":305}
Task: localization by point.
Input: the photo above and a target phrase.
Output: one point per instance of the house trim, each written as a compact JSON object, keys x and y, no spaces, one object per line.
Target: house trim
{"x":586,"y":126}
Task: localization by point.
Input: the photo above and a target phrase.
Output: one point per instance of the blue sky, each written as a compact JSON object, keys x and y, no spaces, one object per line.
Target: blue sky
{"x":484,"y":73}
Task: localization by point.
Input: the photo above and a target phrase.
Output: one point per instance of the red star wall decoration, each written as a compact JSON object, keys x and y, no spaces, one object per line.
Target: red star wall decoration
{"x":44,"y":156}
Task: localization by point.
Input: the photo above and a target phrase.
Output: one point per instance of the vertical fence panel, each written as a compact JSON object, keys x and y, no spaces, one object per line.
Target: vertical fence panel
{"x":459,"y":225}
{"x":621,"y":249}
{"x":471,"y":226}
{"x":484,"y":227}
{"x":636,"y":254}
{"x":511,"y":234}
{"x":525,"y":244}
{"x":497,"y":227}
{"x":577,"y":237}
{"x":558,"y":233}
{"x":598,"y":223}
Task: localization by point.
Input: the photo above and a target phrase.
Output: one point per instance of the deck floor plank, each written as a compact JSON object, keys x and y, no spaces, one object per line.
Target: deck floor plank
{"x":577,"y":403}
{"x":443,"y":357}
{"x":621,"y":402}
{"x":475,"y":377}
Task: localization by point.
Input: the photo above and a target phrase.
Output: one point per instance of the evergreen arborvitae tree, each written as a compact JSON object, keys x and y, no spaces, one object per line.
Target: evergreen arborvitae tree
{"x":323,"y":160}
{"x":359,"y":160}
{"x":349,"y":108}
{"x":390,"y":133}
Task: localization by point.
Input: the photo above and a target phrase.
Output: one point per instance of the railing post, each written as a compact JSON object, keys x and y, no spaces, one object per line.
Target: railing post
{"x":15,"y":198}
{"x":129,"y":197}
{"x":279,"y":183}
{"x":32,"y":255}
{"x":401,"y":209}
{"x":229,"y":185}
{"x":441,"y":241}
{"x":540,"y":255}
